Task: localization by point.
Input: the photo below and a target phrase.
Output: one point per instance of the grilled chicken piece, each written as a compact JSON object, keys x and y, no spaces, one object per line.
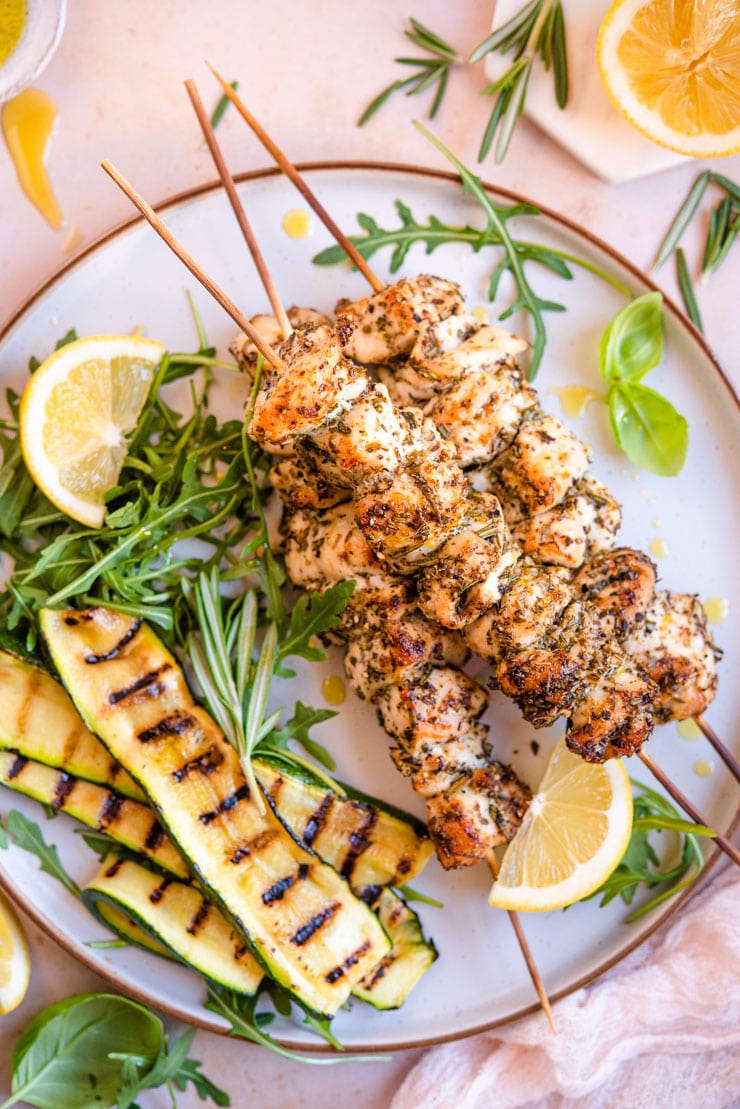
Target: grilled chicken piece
{"x":468,"y":572}
{"x":447,"y":350}
{"x":400,"y":652}
{"x":549,"y":679}
{"x":441,"y":707}
{"x":434,"y":768}
{"x":614,"y":718}
{"x":371,"y":437}
{"x":314,"y":384}
{"x":583,"y":524}
{"x":673,"y":647}
{"x":388,"y":322}
{"x":482,"y":412}
{"x":245,"y":352}
{"x":534,"y":600}
{"x":325,"y":547}
{"x":619,"y":585}
{"x":539,"y":467}
{"x":408,"y":513}
{"x":482,"y":810}
{"x":300,"y":486}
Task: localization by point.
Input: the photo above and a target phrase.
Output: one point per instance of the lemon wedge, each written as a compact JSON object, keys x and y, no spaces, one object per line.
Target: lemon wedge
{"x":75,"y":414}
{"x":572,"y":837}
{"x":673,"y":70}
{"x":15,"y":964}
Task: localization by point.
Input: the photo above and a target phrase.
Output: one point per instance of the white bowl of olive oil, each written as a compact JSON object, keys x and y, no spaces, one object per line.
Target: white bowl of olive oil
{"x":29,"y":33}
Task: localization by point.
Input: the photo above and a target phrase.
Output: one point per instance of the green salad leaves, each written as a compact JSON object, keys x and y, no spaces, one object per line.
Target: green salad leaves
{"x":97,"y":1050}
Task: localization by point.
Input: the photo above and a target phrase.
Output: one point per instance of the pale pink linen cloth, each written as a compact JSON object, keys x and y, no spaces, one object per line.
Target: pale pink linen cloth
{"x":661,"y":1030}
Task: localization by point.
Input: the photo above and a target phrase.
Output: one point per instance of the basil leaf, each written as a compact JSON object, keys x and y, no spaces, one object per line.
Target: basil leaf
{"x":633,"y":342}
{"x":62,"y":1061}
{"x":648,"y":428}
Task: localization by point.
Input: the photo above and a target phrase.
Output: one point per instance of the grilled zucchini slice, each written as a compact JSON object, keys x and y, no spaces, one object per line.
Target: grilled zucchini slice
{"x":388,"y":984}
{"x":299,"y":915}
{"x":39,"y":721}
{"x":177,"y":917}
{"x":131,"y":823}
{"x":369,"y":844}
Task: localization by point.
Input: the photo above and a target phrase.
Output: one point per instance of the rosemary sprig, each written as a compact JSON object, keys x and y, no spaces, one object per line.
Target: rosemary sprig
{"x":431,"y":71}
{"x":536,"y":30}
{"x":723,"y":229}
{"x":221,"y":106}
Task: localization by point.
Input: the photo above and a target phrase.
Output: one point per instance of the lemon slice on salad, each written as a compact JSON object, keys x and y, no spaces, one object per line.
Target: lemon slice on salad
{"x":674,"y":71}
{"x":75,"y":414}
{"x":572,"y":837}
{"x":15,"y":965}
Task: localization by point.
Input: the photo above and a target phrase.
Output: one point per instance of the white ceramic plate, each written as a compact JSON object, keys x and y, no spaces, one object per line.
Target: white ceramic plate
{"x":130,"y":279}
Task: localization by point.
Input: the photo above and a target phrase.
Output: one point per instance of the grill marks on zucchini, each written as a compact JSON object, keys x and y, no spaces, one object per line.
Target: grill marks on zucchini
{"x":175,"y":917}
{"x":176,"y":724}
{"x":129,"y":822}
{"x":132,"y":694}
{"x":148,"y":685}
{"x":115,"y":651}
{"x":367,"y":844}
{"x":39,"y":721}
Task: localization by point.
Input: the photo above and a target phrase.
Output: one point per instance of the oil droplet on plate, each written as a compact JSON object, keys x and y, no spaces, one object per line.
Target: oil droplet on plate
{"x":298,"y":223}
{"x":28,"y":121}
{"x":574,"y":399}
{"x":703,"y":768}
{"x":481,"y":313}
{"x":658,"y":548}
{"x":657,"y":522}
{"x":688,"y":729}
{"x":334,"y":690}
{"x":12,"y":22}
{"x":716,"y":609}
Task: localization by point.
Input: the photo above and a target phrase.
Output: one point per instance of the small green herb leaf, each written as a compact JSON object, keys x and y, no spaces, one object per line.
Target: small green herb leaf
{"x":171,"y":1066}
{"x":223,"y":103}
{"x":27,"y":835}
{"x":63,"y":1059}
{"x":641,"y":866}
{"x":430,"y":71}
{"x":648,"y":428}
{"x":686,"y":287}
{"x":683,"y":218}
{"x":633,"y":343}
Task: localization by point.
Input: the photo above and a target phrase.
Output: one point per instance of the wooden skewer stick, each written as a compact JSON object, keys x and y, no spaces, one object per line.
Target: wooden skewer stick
{"x":187,"y":259}
{"x":534,"y":973}
{"x":722,"y":751}
{"x":241,"y":216}
{"x":728,"y":848}
{"x":290,"y":171}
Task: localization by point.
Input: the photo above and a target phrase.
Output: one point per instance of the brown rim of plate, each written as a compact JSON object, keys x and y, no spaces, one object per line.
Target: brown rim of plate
{"x":714,"y":854}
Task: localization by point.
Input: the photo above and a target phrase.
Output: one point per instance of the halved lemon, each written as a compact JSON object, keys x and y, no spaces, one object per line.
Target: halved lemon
{"x":75,"y":414}
{"x":673,"y":69}
{"x":572,"y":837}
{"x":15,"y":964}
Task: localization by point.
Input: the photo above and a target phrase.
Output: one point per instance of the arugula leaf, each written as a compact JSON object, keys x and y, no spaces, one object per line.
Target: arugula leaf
{"x":312,"y":615}
{"x":27,"y":835}
{"x":640,"y":865}
{"x":171,"y":1066}
{"x":304,"y":717}
{"x":645,"y":424}
{"x":246,"y":1023}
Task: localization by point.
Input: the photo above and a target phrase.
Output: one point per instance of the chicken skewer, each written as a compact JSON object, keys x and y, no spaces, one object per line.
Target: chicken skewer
{"x":284,"y":162}
{"x":521,"y":795}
